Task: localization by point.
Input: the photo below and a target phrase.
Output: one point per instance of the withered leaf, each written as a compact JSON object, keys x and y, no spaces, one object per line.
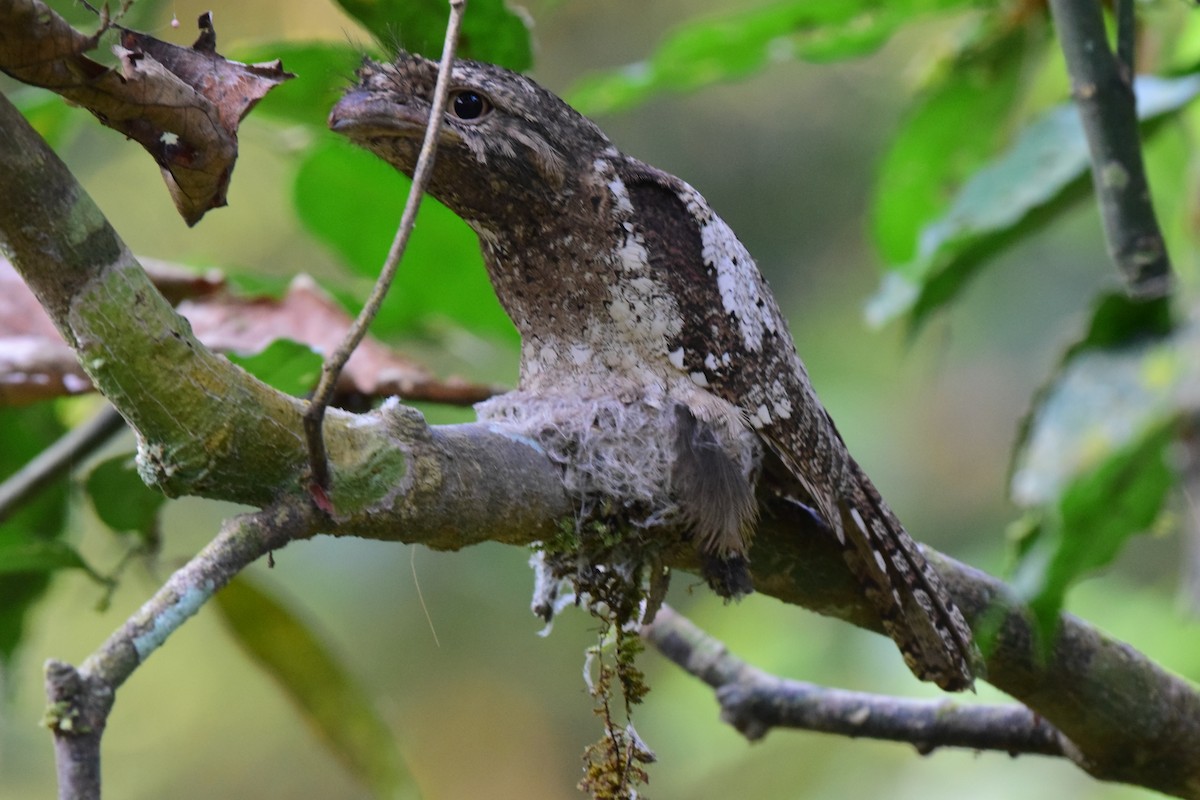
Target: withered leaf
{"x":309,"y":316}
{"x":36,"y":364}
{"x":182,"y":104}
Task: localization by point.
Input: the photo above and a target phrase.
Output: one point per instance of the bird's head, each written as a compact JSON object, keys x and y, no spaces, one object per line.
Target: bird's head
{"x":508,"y":149}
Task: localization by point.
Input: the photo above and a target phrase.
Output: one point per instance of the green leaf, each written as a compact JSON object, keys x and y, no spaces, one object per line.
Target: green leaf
{"x":323,"y":71}
{"x":1094,"y":516}
{"x":1117,"y":321}
{"x":491,"y":31}
{"x":122,"y":500}
{"x":27,"y":431}
{"x":1035,"y":174}
{"x":1176,"y":205}
{"x":1100,"y":403}
{"x":285,"y":365}
{"x":352,"y":201}
{"x":49,"y":114}
{"x":708,"y":51}
{"x":328,"y":698}
{"x":35,"y":555}
{"x":933,"y":152}
{"x":1093,"y":466}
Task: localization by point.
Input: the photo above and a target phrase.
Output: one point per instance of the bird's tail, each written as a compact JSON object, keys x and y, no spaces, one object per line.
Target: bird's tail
{"x":916,"y":610}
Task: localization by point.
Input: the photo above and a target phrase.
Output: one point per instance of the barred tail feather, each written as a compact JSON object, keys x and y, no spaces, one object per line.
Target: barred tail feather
{"x":916,"y":610}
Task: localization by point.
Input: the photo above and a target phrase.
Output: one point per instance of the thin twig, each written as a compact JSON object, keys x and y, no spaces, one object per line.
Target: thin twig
{"x":1102,"y":87}
{"x":58,"y":458}
{"x":754,"y":702}
{"x":315,"y":415}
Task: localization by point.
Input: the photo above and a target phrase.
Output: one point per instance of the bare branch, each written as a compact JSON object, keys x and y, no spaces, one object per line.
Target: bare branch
{"x":753,"y":702}
{"x":1102,"y":86}
{"x":1130,"y":719}
{"x":314,"y":417}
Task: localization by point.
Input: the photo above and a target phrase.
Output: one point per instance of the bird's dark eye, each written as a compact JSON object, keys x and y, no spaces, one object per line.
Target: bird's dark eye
{"x":467,"y":104}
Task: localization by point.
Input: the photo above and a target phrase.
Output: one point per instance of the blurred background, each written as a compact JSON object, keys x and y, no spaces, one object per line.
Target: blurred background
{"x":482,"y":707}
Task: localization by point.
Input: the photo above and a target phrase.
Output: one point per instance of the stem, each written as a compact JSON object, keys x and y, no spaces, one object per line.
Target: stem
{"x":81,"y":698}
{"x":1102,"y":85}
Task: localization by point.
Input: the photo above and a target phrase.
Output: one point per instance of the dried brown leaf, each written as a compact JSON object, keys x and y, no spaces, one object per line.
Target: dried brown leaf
{"x":182,"y":104}
{"x":36,"y":364}
{"x":309,"y":316}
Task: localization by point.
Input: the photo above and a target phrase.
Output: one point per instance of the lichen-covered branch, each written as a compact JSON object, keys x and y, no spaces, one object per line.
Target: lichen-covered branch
{"x":137,"y":350}
{"x":754,"y":702}
{"x":1129,"y":719}
{"x":1102,"y":86}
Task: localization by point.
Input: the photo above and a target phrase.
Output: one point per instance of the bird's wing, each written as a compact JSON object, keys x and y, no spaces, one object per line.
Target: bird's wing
{"x":734,"y":341}
{"x":736,"y":344}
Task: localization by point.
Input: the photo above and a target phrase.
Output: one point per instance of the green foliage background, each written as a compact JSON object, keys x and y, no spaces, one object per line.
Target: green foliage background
{"x":838,"y":139}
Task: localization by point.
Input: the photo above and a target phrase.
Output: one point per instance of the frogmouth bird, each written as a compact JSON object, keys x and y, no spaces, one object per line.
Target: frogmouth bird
{"x":650,"y":344}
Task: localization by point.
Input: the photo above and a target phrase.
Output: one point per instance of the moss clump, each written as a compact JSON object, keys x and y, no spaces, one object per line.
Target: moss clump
{"x":614,"y":766}
{"x":606,"y":560}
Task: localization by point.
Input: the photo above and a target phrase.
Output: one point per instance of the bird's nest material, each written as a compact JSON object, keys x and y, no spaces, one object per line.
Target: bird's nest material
{"x":617,"y":459}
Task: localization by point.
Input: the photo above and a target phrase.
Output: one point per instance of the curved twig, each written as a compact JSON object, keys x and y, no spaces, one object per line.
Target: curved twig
{"x":81,"y":699}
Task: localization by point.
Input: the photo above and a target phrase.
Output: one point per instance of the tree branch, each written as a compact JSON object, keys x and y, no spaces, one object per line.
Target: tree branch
{"x":1102,"y":85}
{"x":753,"y":702}
{"x":136,"y":348}
{"x":81,"y":699}
{"x":1130,"y":720}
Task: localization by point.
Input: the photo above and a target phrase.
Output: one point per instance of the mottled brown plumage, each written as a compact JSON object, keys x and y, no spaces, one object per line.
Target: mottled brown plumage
{"x":640,"y":312}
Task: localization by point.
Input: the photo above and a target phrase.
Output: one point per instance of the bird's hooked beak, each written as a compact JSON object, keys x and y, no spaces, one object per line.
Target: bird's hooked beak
{"x":362,"y":113}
